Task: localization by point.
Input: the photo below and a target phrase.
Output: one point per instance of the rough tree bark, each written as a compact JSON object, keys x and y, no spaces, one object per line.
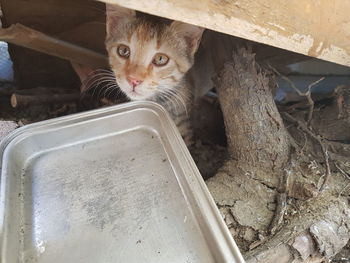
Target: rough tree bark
{"x":255,"y":132}
{"x":264,"y":171}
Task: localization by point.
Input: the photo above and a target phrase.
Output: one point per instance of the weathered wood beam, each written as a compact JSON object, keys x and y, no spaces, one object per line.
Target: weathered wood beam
{"x":26,"y":37}
{"x":319,"y":29}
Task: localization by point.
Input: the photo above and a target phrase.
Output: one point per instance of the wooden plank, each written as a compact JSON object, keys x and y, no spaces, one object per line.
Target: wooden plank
{"x":56,"y":18}
{"x":26,"y":37}
{"x":319,"y":29}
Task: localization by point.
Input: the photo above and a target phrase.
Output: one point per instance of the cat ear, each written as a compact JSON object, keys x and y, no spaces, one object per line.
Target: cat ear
{"x":115,"y":13}
{"x":192,"y":34}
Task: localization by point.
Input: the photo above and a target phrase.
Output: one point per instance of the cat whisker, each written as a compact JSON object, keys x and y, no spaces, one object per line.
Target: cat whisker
{"x":179,"y":91}
{"x":168,"y":99}
{"x":183,"y":95}
{"x":178,"y":96}
{"x":98,"y":74}
{"x":115,"y":87}
{"x":88,"y":86}
{"x":101,"y":71}
{"x":93,"y":88}
{"x":93,"y":91}
{"x":110,"y":89}
{"x":93,"y":82}
{"x":176,"y":102}
{"x":164,"y":96}
{"x":181,"y":99}
{"x":181,"y":102}
{"x":107,"y":84}
{"x":99,"y":82}
{"x":99,"y":93}
{"x":104,"y":71}
{"x":119,"y":91}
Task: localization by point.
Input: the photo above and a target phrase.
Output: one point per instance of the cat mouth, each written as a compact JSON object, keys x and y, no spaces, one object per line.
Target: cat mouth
{"x":135,"y":95}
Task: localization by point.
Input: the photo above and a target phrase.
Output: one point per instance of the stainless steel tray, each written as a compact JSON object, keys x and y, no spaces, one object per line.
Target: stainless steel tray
{"x":110,"y":185}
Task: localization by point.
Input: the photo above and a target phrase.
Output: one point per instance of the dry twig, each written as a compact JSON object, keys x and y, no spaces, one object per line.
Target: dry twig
{"x":347,"y":175}
{"x":316,"y":138}
{"x":281,"y":204}
{"x":18,"y":100}
{"x":342,"y":191}
{"x":306,"y":94}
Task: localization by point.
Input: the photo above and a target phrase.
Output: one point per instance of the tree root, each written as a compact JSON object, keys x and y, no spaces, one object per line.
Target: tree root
{"x":249,"y":183}
{"x":317,"y":138}
{"x":319,"y":231}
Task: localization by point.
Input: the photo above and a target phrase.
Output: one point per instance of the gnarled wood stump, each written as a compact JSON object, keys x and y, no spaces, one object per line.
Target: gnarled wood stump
{"x":267,"y":190}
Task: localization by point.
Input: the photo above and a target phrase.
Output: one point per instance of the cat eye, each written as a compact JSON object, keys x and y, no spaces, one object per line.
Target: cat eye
{"x":123,"y":51}
{"x":160,"y":59}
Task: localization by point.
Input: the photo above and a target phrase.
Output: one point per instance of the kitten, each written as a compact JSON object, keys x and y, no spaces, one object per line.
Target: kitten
{"x":151,"y":61}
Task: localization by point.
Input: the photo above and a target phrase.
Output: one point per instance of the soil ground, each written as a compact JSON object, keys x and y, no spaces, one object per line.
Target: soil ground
{"x":209,"y":153}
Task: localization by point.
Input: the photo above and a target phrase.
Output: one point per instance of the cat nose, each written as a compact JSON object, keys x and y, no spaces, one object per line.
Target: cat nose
{"x":133,"y":81}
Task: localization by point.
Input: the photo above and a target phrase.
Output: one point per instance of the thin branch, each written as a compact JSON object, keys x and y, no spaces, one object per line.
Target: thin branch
{"x":306,"y":94}
{"x":281,"y":204}
{"x":287,"y":80}
{"x":345,"y":174}
{"x":18,"y":100}
{"x":314,"y":83}
{"x":342,"y":191}
{"x":317,"y":138}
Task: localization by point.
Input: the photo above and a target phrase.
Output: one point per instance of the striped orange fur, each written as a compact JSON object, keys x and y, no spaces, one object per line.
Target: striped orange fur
{"x":150,"y":59}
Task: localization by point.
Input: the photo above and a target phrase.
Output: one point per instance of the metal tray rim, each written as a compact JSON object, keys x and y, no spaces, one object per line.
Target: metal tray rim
{"x":204,"y":198}
{"x":56,"y":122}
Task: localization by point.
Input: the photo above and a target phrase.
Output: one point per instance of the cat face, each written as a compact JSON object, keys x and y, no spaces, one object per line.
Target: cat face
{"x":148,"y":59}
